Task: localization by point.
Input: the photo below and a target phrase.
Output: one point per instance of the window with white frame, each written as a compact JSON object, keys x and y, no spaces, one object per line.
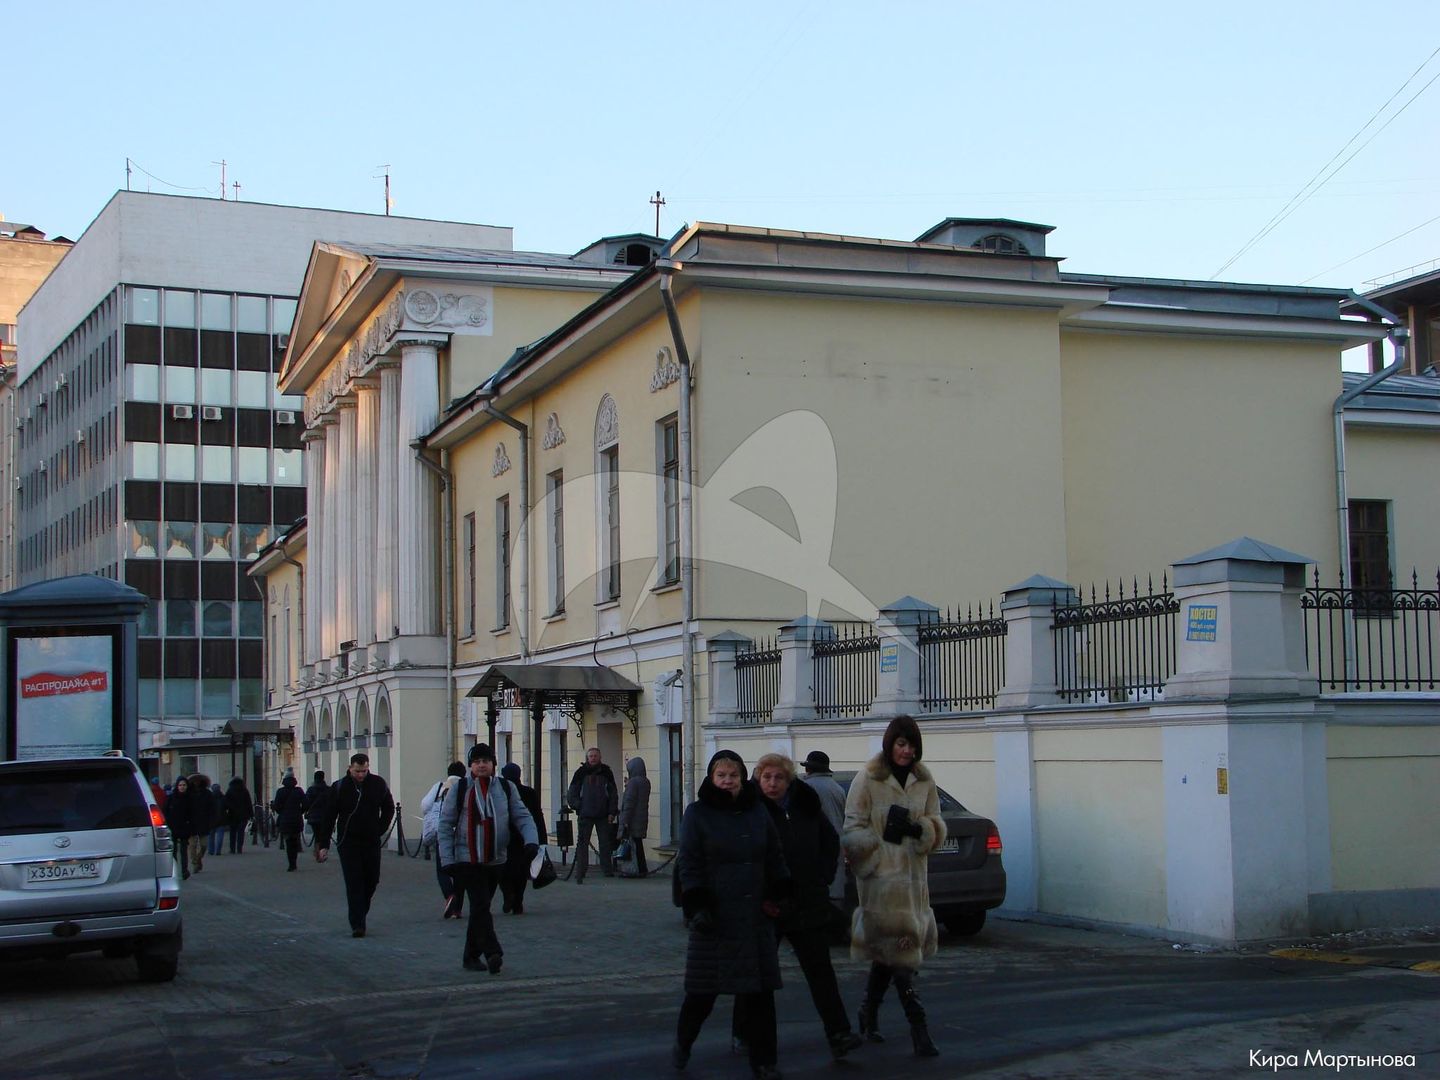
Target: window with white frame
{"x":668,"y":447}
{"x":502,"y":562}
{"x":555,"y":494}
{"x":468,"y":620}
{"x":610,"y":490}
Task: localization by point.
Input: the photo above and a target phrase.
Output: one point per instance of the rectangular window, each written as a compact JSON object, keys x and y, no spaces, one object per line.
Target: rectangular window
{"x":215,"y":386}
{"x":502,"y":562}
{"x":216,"y":539}
{"x":180,"y":618}
{"x":144,"y":382}
{"x":252,"y":315}
{"x":610,"y":487}
{"x":179,"y":539}
{"x":215,"y":464}
{"x":252,"y":539}
{"x":144,"y":306}
{"x":180,"y":385}
{"x":468,"y":603}
{"x":252,"y":389}
{"x":253,"y":463}
{"x":179,"y":308}
{"x":670,"y":500}
{"x":1371,"y":575}
{"x":179,"y":461}
{"x":145,"y":461}
{"x":555,"y":492}
{"x":289,"y":468}
{"x":215,"y":311}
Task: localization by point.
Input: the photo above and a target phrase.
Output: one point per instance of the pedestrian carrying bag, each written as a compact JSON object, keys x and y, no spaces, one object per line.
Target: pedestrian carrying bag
{"x":542,"y":870}
{"x":627,"y":862}
{"x":430,"y":827}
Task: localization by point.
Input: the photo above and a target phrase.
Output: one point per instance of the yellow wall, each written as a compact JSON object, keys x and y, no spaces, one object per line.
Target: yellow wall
{"x":1100,"y":820}
{"x":1400,"y":467}
{"x":1174,"y":445}
{"x":624,"y":372}
{"x":284,"y":576}
{"x":1384,"y":785}
{"x":521,"y":316}
{"x":945,"y":427}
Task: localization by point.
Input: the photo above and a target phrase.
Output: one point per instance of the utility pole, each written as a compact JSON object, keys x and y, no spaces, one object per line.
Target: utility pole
{"x":221,"y":163}
{"x":235,"y":186}
{"x":657,"y":202}
{"x":127,"y":174}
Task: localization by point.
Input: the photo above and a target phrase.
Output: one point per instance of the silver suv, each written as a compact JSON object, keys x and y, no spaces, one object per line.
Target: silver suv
{"x":86,"y":862}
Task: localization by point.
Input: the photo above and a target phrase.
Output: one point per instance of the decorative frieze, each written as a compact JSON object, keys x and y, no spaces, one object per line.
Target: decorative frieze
{"x":667,"y":371}
{"x":501,"y":464}
{"x":554,"y":434}
{"x":432,"y":310}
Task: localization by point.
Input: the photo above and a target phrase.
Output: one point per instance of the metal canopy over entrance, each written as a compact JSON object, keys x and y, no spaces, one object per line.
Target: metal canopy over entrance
{"x":567,"y":688}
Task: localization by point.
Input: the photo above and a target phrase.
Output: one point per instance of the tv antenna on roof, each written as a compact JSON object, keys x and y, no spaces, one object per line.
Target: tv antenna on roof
{"x":657,"y":202}
{"x":222,"y":163}
{"x":388,"y":201}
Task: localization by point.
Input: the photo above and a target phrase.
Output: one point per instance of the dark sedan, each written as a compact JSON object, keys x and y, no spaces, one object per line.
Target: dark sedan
{"x":967,"y":876}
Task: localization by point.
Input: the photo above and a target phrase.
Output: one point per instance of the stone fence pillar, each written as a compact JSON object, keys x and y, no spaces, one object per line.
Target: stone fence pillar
{"x":1030,"y":676}
{"x":797,"y":682}
{"x":897,"y":689}
{"x":724,"y":687}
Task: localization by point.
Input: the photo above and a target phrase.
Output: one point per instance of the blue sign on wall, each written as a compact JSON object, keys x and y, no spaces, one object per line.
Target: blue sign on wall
{"x":1200,"y":622}
{"x":890,"y":657}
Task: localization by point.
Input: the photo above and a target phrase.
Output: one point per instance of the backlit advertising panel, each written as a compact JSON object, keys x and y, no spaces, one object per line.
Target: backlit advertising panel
{"x":63,"y":693}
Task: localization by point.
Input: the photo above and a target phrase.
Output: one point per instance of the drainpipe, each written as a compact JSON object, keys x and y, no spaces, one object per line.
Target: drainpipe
{"x":524,"y":528}
{"x":447,"y":577}
{"x":1399,"y":340}
{"x":668,"y":268}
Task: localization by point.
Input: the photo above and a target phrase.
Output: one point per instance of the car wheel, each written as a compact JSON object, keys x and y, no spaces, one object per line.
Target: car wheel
{"x":965,"y":923}
{"x":157,"y":959}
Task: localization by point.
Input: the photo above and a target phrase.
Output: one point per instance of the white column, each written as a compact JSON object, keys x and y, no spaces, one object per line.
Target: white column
{"x":386,"y":494}
{"x":349,"y":563}
{"x":367,"y":431}
{"x":329,"y":550}
{"x":314,"y":533}
{"x":418,"y":549}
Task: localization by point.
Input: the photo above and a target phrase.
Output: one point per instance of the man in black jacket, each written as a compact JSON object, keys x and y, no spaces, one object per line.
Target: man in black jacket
{"x":596,"y":801}
{"x":358,"y":817}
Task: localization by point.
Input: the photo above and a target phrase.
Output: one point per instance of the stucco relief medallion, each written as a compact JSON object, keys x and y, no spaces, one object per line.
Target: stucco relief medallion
{"x":458,"y":309}
{"x":422,"y":305}
{"x":502,"y":461}
{"x":667,"y":371}
{"x":607,"y":423}
{"x":554,"y":434}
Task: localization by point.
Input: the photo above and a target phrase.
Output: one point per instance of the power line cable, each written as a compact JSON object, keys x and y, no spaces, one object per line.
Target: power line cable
{"x":1311,"y":186}
{"x":177,"y":187}
{"x":1377,"y":247}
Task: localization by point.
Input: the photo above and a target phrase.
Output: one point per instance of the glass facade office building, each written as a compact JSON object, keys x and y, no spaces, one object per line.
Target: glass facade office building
{"x":154,"y":449}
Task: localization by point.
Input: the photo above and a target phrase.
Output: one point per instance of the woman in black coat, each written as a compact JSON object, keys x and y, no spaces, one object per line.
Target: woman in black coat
{"x":179,"y":817}
{"x":812,"y":853}
{"x":239,"y":809}
{"x":730,"y":869}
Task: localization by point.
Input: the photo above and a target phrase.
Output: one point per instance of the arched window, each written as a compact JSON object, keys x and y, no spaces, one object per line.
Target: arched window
{"x":1000,"y":244}
{"x":607,"y":473}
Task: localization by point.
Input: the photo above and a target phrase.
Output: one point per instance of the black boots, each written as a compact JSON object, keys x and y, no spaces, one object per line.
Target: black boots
{"x":868,"y":1019}
{"x":915,"y":1013}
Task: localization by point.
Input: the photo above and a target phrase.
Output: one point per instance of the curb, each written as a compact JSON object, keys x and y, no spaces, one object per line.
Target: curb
{"x":1356,"y":960}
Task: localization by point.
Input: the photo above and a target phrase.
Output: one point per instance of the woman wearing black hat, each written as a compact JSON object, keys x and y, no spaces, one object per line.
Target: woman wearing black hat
{"x":892,"y":823}
{"x":730,"y":867}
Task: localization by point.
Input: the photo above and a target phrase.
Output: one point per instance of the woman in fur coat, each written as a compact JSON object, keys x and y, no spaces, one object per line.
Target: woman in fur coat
{"x":892,"y":823}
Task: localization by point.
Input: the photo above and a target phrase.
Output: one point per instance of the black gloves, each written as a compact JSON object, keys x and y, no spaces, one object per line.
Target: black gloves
{"x":898,"y":825}
{"x":702,"y":922}
{"x":531,"y":850}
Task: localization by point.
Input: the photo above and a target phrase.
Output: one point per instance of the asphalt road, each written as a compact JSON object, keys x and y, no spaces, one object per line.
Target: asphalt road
{"x":272,"y":987}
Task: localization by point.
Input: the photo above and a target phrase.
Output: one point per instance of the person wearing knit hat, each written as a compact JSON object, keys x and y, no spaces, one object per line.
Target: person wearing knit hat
{"x":479,"y":822}
{"x":517,"y":866}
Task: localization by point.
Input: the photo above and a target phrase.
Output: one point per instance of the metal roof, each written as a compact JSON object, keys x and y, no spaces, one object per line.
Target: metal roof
{"x":561,"y":679}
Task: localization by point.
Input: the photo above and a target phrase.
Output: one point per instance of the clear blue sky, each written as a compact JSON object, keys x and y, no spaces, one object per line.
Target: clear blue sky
{"x":1158,"y":141}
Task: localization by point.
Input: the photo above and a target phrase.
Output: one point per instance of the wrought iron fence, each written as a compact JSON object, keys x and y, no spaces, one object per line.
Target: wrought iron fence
{"x":845,"y":669}
{"x":962,"y":661}
{"x":1375,"y":640}
{"x":1116,"y":649}
{"x":757,"y":678}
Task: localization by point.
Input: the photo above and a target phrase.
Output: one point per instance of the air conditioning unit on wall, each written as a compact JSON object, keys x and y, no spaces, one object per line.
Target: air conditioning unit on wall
{"x":182,"y":412}
{"x":284,"y":416}
{"x":210,"y":412}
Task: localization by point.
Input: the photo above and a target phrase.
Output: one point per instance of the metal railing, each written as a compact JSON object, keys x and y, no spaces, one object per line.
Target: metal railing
{"x":962,"y":661}
{"x":845,"y":669}
{"x":1373,"y":640}
{"x":1118,"y":648}
{"x":757,"y":682}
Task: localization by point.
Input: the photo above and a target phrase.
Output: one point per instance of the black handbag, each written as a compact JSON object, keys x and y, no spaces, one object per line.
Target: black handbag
{"x":542,"y":870}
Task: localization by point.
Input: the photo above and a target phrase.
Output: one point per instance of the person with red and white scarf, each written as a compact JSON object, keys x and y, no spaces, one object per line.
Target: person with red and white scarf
{"x":479,"y":820}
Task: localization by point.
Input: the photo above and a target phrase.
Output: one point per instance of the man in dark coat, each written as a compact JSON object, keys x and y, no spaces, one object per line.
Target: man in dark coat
{"x":202,"y":819}
{"x":596,"y":801}
{"x":517,"y":867}
{"x":179,"y":814}
{"x":239,"y":809}
{"x":317,"y":799}
{"x":289,"y":806}
{"x":358,"y":818}
{"x":812,"y":849}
